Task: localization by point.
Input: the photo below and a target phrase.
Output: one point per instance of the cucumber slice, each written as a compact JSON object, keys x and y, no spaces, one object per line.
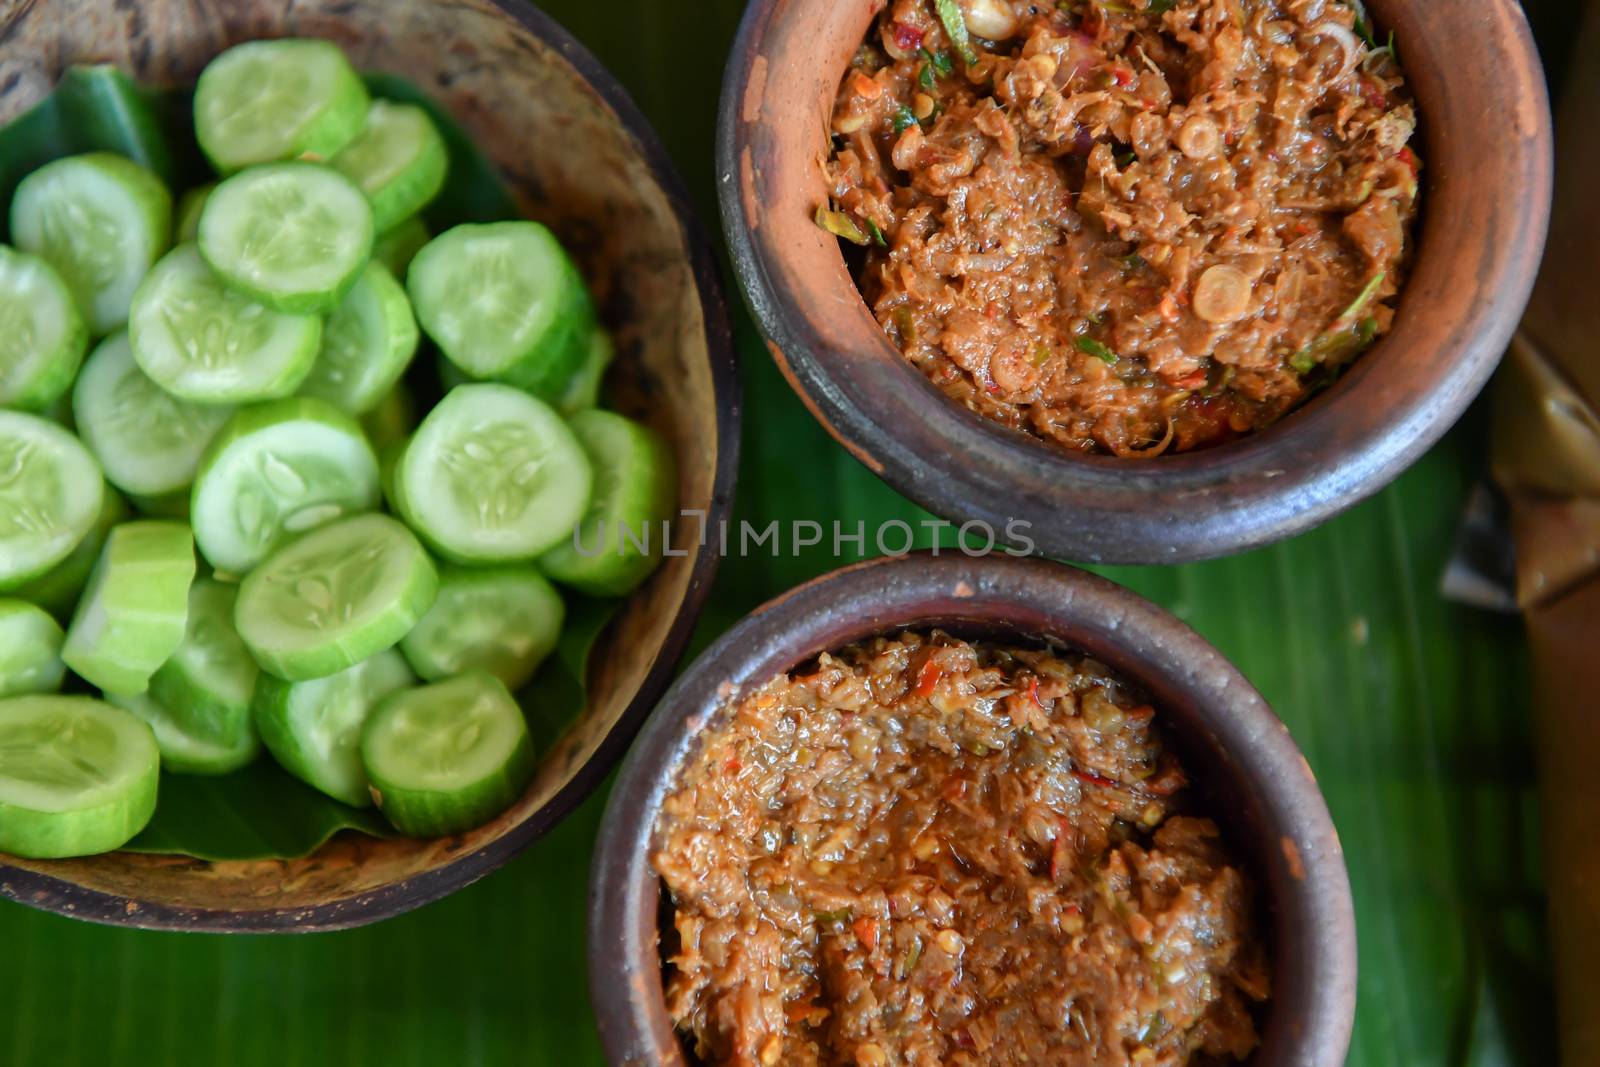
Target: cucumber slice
{"x":367,"y":344}
{"x":313,"y":728}
{"x":292,"y":236}
{"x":183,"y":752}
{"x":399,"y":161}
{"x":263,"y":101}
{"x":148,"y":441}
{"x":186,"y":218}
{"x":77,"y":776}
{"x":100,"y":220}
{"x":207,"y":684}
{"x":635,"y":492}
{"x":50,"y":494}
{"x":388,"y":463}
{"x":504,"y":301}
{"x":392,"y":420}
{"x":448,"y":757}
{"x":451,"y":375}
{"x":277,"y":470}
{"x":397,"y":248}
{"x":30,"y":650}
{"x":58,"y":589}
{"x":492,"y":475}
{"x":133,"y":613}
{"x":42,"y":335}
{"x":334,"y":597}
{"x":503,"y":622}
{"x":583,"y":391}
{"x":201,"y":341}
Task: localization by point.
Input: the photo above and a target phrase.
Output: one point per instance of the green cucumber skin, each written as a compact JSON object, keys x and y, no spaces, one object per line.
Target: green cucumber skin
{"x":34,"y":834}
{"x":649,"y":494}
{"x":55,"y":384}
{"x":557,"y":355}
{"x":57,"y":590}
{"x":186,"y":219}
{"x":182,"y":752}
{"x":400,"y":339}
{"x":273,"y":711}
{"x":406,"y":194}
{"x":13,"y":577}
{"x":336,"y":126}
{"x":196,"y":707}
{"x":135,"y":625}
{"x":435,"y":647}
{"x":396,"y":247}
{"x":583,"y":391}
{"x":30,"y":650}
{"x":422,"y":812}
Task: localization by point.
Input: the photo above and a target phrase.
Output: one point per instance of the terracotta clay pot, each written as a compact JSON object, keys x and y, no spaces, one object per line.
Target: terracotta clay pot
{"x":1239,"y":755}
{"x":1486,"y":196}
{"x":517,"y":84}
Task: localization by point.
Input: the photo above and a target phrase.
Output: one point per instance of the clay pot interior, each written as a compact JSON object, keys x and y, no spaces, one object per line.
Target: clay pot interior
{"x":517,"y":84}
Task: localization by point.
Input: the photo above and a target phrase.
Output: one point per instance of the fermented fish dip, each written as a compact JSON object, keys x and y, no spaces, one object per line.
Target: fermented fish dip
{"x":920,"y":850}
{"x":1126,"y":226}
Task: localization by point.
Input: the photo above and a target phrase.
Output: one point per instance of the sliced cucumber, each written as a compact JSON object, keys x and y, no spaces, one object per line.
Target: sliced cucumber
{"x":100,"y":220}
{"x":392,"y":420}
{"x":445,"y":758}
{"x":183,"y":752}
{"x":265,"y":101}
{"x":50,"y":494}
{"x":277,"y":470}
{"x":203,"y":342}
{"x":77,"y":776}
{"x":58,"y":589}
{"x":42,"y":334}
{"x":30,"y":650}
{"x":334,"y":597}
{"x":635,"y":492}
{"x":313,"y":729}
{"x":583,"y":391}
{"x":397,"y":248}
{"x":148,"y":441}
{"x":504,"y":302}
{"x":367,"y":344}
{"x":208,"y":682}
{"x":399,"y":161}
{"x":186,"y":218}
{"x":502,"y":621}
{"x":492,"y":475}
{"x":291,"y":236}
{"x":451,"y":375}
{"x":133,"y":613}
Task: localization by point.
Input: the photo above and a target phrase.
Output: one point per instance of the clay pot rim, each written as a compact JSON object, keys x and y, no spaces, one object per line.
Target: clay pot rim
{"x":74,"y":901}
{"x":1321,"y":460}
{"x":1294,"y":847}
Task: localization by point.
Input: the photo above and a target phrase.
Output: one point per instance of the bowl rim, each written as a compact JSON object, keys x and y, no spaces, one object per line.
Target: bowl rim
{"x":48,"y":893}
{"x":1093,"y":508}
{"x":1306,"y":881}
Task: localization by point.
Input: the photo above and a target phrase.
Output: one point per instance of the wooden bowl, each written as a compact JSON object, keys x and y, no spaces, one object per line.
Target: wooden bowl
{"x":1239,"y":754}
{"x":578,"y":156}
{"x":1486,"y":196}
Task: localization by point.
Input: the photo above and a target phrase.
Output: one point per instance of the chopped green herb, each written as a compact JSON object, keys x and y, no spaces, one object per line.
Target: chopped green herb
{"x":1041,"y":355}
{"x":906,"y":324}
{"x":1160,"y":7}
{"x":908,"y":962}
{"x":955,"y":27}
{"x":939,"y":61}
{"x":877,"y":234}
{"x":840,"y":225}
{"x":832,"y":918}
{"x":1116,"y":8}
{"x":1223,"y":381}
{"x":1095,"y":349}
{"x":1304,"y":361}
{"x":1096,"y":319}
{"x":1126,"y":158}
{"x":925,"y":77}
{"x":1132,"y":261}
{"x":903,"y":119}
{"x":1348,"y":316}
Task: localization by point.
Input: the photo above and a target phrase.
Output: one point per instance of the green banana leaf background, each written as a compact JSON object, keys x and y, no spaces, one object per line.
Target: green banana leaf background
{"x":1414,"y":713}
